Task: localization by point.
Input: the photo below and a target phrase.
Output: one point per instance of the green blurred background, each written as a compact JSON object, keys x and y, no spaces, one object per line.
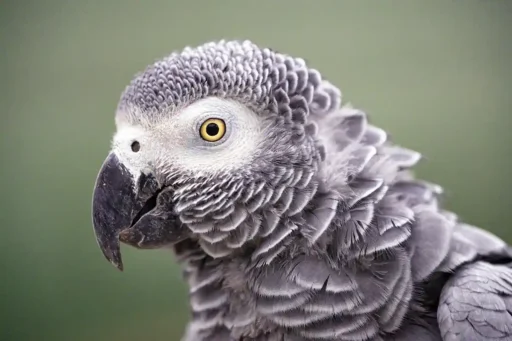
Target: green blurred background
{"x":436,"y":74}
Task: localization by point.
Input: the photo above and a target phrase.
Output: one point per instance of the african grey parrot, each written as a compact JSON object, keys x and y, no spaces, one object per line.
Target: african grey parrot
{"x":293,"y":218}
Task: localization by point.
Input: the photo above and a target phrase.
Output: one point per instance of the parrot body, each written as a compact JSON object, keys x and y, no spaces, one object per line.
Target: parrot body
{"x":292,"y":216}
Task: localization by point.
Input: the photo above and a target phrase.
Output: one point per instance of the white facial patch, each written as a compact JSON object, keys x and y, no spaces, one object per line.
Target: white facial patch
{"x":174,"y":140}
{"x":122,"y":143}
{"x":186,"y":149}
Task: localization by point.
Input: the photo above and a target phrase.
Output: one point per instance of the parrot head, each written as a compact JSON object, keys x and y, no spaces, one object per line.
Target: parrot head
{"x":214,"y":144}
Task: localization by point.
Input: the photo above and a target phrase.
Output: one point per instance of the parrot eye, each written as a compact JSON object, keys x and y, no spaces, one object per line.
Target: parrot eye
{"x":135,"y":146}
{"x":212,"y":130}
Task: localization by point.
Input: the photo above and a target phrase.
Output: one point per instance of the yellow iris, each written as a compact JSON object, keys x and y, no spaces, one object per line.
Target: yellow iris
{"x":212,"y":129}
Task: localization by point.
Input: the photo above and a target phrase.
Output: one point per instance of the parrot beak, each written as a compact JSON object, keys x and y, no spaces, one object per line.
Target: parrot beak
{"x":137,"y":212}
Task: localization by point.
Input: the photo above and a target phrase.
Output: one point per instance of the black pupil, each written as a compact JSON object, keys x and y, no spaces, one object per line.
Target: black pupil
{"x":212,"y":129}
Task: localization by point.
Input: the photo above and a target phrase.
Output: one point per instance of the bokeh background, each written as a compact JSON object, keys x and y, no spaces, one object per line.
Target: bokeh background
{"x":436,"y":74}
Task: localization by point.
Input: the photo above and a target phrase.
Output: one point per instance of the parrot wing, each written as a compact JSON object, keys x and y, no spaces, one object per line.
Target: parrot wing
{"x":476,"y":303}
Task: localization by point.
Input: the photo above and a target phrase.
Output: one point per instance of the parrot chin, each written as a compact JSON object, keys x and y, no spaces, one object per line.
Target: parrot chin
{"x":136,"y":212}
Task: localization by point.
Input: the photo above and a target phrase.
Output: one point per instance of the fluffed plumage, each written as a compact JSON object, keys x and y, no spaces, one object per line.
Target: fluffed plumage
{"x":306,"y":224}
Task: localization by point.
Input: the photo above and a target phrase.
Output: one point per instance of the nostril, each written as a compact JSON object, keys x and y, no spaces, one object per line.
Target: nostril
{"x":135,"y":146}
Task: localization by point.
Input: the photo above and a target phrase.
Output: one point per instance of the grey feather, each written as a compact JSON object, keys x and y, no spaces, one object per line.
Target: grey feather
{"x":476,"y":304}
{"x":325,"y":234}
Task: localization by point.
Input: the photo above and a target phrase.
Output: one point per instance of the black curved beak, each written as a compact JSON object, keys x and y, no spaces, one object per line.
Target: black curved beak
{"x":137,"y":212}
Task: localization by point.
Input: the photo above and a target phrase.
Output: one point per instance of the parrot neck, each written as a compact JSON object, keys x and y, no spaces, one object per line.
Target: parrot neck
{"x":218,"y":296}
{"x":250,"y":290}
